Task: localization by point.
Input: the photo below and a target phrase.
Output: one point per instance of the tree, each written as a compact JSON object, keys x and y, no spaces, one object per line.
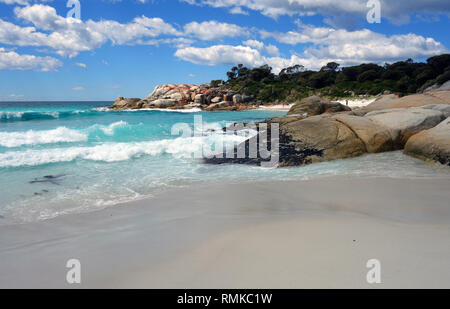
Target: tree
{"x":260,"y":73}
{"x":439,"y":63}
{"x":231,"y":75}
{"x":293,"y":70}
{"x":331,"y":66}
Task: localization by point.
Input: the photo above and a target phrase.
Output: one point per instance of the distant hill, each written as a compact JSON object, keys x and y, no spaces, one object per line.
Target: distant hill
{"x":296,"y":82}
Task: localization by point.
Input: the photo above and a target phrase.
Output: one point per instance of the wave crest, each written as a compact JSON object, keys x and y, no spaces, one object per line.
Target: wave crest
{"x":58,"y":135}
{"x":114,"y":152}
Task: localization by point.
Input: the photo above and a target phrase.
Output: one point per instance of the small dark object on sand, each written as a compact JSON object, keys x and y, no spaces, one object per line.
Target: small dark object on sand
{"x":48,"y":179}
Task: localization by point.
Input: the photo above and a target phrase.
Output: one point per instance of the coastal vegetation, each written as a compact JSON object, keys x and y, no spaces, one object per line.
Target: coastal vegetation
{"x":297,"y":82}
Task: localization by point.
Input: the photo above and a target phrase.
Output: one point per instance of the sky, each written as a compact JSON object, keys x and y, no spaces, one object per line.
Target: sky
{"x":94,"y":50}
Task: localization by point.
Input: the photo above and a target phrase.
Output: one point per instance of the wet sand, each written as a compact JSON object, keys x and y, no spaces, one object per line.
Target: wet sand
{"x":271,"y":234}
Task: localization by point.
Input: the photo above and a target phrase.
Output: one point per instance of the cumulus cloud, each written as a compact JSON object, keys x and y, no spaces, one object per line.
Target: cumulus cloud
{"x":358,"y":46}
{"x":270,"y":49}
{"x":231,"y":55}
{"x":395,"y":11}
{"x":21,"y":2}
{"x":255,"y":44}
{"x":10,"y":60}
{"x":345,"y":47}
{"x":69,"y":36}
{"x":213,"y":30}
{"x":43,"y":27}
{"x":238,"y":10}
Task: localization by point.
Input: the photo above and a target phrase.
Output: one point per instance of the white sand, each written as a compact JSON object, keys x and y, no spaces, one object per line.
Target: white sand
{"x":352,"y":103}
{"x":293,"y":234}
{"x":279,"y":107}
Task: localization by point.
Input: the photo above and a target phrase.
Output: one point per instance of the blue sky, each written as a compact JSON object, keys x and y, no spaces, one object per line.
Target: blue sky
{"x":127,"y":47}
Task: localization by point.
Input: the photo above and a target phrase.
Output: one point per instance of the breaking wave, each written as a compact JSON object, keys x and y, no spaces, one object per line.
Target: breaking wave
{"x":58,"y":135}
{"x":113,"y":152}
{"x":11,"y":116}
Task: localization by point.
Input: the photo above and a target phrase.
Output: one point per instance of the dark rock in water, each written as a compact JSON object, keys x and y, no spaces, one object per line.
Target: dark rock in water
{"x":37,"y":194}
{"x":48,"y":179}
{"x":317,"y":139}
{"x":305,"y":141}
{"x":254,"y":151}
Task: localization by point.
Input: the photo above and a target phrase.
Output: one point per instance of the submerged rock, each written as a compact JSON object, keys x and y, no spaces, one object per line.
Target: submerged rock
{"x":432,"y":144}
{"x":55,"y":180}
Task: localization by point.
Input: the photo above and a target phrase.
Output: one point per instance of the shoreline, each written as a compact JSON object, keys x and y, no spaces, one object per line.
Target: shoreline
{"x":234,"y":235}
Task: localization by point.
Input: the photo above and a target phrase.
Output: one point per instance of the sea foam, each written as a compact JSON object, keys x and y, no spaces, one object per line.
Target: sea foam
{"x":58,"y":135}
{"x":31,"y":137}
{"x":114,"y":152}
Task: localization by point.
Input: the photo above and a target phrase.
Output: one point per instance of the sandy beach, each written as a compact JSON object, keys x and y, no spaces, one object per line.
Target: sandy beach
{"x":279,"y":107}
{"x":271,"y":234}
{"x":352,"y":103}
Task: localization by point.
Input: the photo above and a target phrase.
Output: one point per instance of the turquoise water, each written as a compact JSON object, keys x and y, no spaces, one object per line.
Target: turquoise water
{"x":60,"y":158}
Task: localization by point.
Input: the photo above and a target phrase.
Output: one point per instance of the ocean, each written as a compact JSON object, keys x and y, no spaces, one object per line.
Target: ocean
{"x":58,"y":158}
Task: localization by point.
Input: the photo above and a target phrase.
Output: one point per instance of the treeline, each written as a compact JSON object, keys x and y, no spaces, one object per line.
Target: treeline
{"x":296,"y":82}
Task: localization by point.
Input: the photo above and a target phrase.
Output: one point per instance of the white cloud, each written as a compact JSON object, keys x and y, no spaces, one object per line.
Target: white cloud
{"x":351,"y":47}
{"x":10,"y":60}
{"x":69,"y":36}
{"x":395,"y":11}
{"x":270,"y":49}
{"x":220,"y":54}
{"x":81,"y":65}
{"x":254,"y":43}
{"x":345,"y":47}
{"x":238,"y":10}
{"x":213,"y":30}
{"x":22,"y":2}
{"x":79,"y":88}
{"x":232,"y":55}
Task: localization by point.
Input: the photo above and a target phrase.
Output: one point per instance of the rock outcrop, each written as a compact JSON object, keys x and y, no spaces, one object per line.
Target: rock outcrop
{"x":376,"y":138}
{"x":130,"y":103}
{"x":327,"y":136}
{"x":432,"y":144}
{"x":315,"y":105}
{"x":185,"y":96}
{"x":317,"y":139}
{"x":404,"y":123}
{"x":416,"y":100}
